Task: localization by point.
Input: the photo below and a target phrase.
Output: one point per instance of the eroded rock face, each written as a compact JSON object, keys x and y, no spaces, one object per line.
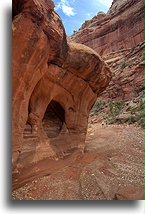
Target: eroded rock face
{"x":55,"y":84}
{"x":121,"y":27}
{"x":118,"y":37}
{"x":127,"y":70}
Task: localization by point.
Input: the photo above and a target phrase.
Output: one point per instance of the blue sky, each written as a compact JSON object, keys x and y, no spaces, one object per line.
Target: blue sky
{"x":75,"y":12}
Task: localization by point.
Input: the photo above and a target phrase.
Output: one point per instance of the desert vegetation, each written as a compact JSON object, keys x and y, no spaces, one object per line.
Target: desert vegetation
{"x":119,"y":111}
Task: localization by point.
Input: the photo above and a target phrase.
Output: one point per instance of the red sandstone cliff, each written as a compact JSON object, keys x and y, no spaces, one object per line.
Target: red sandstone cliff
{"x":118,"y":37}
{"x":55,"y":84}
{"x":122,"y":26}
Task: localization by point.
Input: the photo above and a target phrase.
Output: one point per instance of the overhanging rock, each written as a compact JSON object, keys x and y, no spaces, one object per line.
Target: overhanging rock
{"x":55,"y":84}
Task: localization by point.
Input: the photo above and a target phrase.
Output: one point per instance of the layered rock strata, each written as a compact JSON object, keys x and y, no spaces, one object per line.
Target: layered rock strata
{"x":55,"y":84}
{"x":118,"y":37}
{"x":122,"y":26}
{"x":127,"y":71}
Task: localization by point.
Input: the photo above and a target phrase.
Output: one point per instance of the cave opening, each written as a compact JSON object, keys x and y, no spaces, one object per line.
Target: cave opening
{"x":53,"y":119}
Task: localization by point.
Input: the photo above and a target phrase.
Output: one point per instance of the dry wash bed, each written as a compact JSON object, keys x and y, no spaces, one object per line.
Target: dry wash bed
{"x":111,"y":168}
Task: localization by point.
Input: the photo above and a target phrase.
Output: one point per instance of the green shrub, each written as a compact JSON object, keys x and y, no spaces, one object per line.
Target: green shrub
{"x":89,"y":126}
{"x":131,"y":120}
{"x":112,"y":121}
{"x":113,"y":74}
{"x":115,"y":109}
{"x":141,"y":106}
{"x":99,"y":105}
{"x":141,"y":123}
{"x":111,"y":12}
{"x":135,"y":95}
{"x":122,"y":47}
{"x":135,"y":89}
{"x":135,"y":118}
{"x":95,"y":112}
{"x":123,"y":65}
{"x":133,"y":110}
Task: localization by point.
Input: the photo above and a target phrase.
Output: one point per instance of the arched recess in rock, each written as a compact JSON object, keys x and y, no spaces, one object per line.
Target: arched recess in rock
{"x":47,"y":92}
{"x":54,"y":119}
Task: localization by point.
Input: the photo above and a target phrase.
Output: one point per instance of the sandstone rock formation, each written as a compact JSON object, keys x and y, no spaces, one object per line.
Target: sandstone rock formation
{"x":118,"y":37}
{"x":122,"y":26}
{"x":127,"y":70}
{"x":55,"y":84}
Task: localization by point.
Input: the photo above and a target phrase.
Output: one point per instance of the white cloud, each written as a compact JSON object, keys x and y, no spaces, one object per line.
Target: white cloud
{"x":68,"y":10}
{"x":65,"y":7}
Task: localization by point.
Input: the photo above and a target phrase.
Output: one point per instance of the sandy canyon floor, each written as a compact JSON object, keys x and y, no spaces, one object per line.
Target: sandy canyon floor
{"x":110,"y":169}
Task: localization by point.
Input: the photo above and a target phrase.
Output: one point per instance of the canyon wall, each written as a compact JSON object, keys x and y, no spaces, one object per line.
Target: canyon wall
{"x":122,"y":26}
{"x":118,"y":37}
{"x":55,"y":84}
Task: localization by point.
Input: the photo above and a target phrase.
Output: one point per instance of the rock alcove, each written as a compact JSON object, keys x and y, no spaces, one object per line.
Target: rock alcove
{"x":54,"y":119}
{"x":55,"y":83}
